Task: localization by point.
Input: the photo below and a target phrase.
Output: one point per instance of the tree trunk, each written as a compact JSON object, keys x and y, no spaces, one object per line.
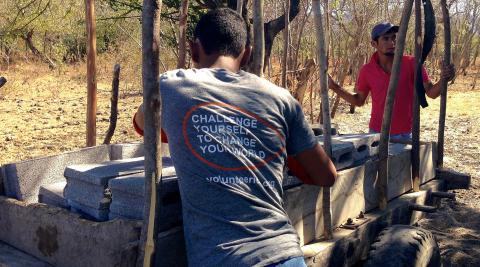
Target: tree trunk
{"x":327,"y":142}
{"x":286,"y":40}
{"x":36,"y":52}
{"x":182,"y":35}
{"x":273,"y":27}
{"x":258,"y":38}
{"x":382,"y":178}
{"x":152,"y":142}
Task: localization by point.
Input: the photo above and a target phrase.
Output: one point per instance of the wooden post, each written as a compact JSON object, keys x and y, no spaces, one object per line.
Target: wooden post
{"x":286,"y":41}
{"x":415,"y":158}
{"x":443,"y":98}
{"x":382,"y":178}
{"x":258,"y":38}
{"x":182,"y":35}
{"x":91,"y":72}
{"x":113,"y":104}
{"x":239,"y":7}
{"x":152,"y":110}
{"x":327,"y":142}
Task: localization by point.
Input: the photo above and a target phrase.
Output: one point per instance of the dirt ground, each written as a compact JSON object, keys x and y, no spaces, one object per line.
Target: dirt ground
{"x":43,"y":113}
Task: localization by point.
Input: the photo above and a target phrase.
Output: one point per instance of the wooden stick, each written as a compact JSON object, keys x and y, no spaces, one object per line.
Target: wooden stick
{"x":91,"y":72}
{"x":113,"y":105}
{"x":286,"y":32}
{"x":382,"y":178}
{"x":327,"y":142}
{"x":182,"y":35}
{"x":443,"y":98}
{"x":258,"y":38}
{"x":415,"y":158}
{"x":239,"y":6}
{"x":152,"y":110}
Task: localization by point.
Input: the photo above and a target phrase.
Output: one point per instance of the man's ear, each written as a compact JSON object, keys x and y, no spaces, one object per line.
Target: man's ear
{"x":246,"y":56}
{"x":374,"y":43}
{"x":194,"y":50}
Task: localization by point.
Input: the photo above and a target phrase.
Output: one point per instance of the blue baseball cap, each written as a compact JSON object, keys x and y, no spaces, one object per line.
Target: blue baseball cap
{"x":382,"y":28}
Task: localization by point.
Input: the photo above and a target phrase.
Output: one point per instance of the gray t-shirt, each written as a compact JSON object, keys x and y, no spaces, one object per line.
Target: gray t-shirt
{"x":229,"y":135}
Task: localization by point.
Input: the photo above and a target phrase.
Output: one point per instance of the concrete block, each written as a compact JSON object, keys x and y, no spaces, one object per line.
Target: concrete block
{"x":85,"y":193}
{"x":318,"y":129}
{"x":12,"y":257}
{"x":126,"y":151}
{"x":366,"y":145}
{"x":342,"y":153}
{"x":62,"y":238}
{"x":100,"y":173}
{"x":22,"y":180}
{"x":52,"y":194}
{"x":95,"y":214}
{"x":128,"y":199}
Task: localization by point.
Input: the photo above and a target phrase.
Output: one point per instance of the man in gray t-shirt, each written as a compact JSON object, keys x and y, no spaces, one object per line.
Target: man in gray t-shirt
{"x":229,"y":134}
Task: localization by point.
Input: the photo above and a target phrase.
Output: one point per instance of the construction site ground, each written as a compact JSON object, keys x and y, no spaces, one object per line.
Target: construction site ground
{"x":43,"y":112}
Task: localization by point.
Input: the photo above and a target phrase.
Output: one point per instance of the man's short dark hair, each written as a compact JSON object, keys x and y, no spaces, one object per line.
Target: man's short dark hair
{"x":222,"y":30}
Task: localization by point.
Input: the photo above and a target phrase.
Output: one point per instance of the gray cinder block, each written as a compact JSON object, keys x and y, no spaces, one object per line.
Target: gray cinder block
{"x":128,"y":199}
{"x":100,"y":173}
{"x":22,"y":180}
{"x":366,"y":145}
{"x":52,"y":195}
{"x":126,"y":151}
{"x":342,"y":153}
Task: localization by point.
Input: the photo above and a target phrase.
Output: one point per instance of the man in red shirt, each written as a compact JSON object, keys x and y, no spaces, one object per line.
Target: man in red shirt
{"x":374,"y":77}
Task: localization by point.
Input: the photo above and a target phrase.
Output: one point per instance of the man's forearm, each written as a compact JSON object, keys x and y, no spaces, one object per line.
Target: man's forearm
{"x":433,"y":90}
{"x":347,"y":96}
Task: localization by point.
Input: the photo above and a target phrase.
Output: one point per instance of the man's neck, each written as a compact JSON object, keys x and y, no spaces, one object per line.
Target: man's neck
{"x":385,"y":62}
{"x":221,"y":62}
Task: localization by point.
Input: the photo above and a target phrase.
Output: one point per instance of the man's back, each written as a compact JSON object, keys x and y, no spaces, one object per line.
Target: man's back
{"x":229,"y":134}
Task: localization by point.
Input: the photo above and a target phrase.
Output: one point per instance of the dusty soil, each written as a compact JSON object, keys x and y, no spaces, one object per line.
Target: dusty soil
{"x":43,"y":113}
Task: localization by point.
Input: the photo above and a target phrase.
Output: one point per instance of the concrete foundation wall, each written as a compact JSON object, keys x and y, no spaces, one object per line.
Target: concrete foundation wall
{"x":61,"y":238}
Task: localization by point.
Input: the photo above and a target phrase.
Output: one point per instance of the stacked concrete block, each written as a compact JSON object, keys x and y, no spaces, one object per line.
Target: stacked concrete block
{"x":128,"y":197}
{"x":22,"y":180}
{"x":52,"y":195}
{"x":318,"y":129}
{"x":128,"y":200}
{"x":366,"y":145}
{"x":342,"y":153}
{"x":126,"y":151}
{"x":86,"y":190}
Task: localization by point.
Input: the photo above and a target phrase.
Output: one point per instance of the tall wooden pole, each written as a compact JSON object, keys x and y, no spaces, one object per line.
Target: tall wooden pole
{"x":443,"y":97}
{"x":286,"y":41}
{"x":327,"y":142}
{"x":416,"y":106}
{"x":258,"y":38}
{"x":239,"y":7}
{"x":152,"y":110}
{"x":91,"y":72}
{"x":182,"y":35}
{"x":382,"y":178}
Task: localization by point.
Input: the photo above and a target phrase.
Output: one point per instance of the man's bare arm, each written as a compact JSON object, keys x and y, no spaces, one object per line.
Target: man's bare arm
{"x":139,"y":118}
{"x":357,"y":99}
{"x":318,"y":166}
{"x":434,"y":90}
